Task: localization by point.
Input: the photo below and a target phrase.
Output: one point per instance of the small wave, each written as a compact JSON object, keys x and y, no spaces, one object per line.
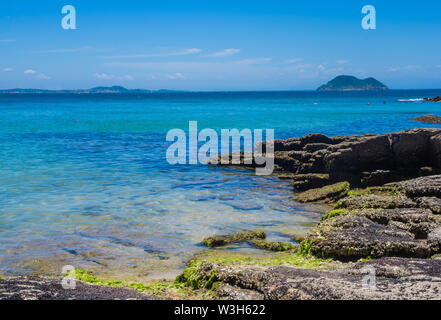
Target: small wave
{"x":411,"y":100}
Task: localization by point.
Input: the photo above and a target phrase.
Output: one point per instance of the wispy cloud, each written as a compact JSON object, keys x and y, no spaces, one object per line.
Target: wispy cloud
{"x":175,"y":76}
{"x":153,"y":55}
{"x":404,"y":68}
{"x":42,"y":76}
{"x":8,"y":69}
{"x":6,"y":40}
{"x":66,"y":50}
{"x":224,"y":53}
{"x":106,"y":76}
{"x":39,"y":76}
{"x":293,"y":61}
{"x":253,"y":61}
{"x":341,"y":62}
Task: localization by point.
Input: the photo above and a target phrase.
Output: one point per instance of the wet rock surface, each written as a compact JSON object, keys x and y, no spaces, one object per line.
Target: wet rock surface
{"x":41,"y":288}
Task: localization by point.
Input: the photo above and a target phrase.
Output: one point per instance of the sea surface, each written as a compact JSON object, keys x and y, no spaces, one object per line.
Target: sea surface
{"x":84,"y":179}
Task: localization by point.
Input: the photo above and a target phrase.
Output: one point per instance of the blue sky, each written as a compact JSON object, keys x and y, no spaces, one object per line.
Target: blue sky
{"x":218,"y":45}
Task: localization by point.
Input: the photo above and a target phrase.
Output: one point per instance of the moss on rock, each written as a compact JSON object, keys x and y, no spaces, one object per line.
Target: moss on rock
{"x":223,"y":240}
{"x":273,"y":245}
{"x":327,"y":194}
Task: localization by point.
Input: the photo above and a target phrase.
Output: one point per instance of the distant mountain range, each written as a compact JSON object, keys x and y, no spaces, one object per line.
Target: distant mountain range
{"x":96,"y":90}
{"x":351,"y":83}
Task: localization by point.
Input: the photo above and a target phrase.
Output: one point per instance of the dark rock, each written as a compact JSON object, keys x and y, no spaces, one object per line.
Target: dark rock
{"x":429,"y":186}
{"x":429,"y":118}
{"x":226,"y":291}
{"x":223,"y":240}
{"x":376,"y":201}
{"x":435,"y":99}
{"x":435,"y":150}
{"x":303,"y":182}
{"x":379,"y":177}
{"x":395,"y":278}
{"x":365,"y":154}
{"x":432,"y":203}
{"x":411,"y":148}
{"x":351,"y":237}
{"x":41,"y":288}
{"x":312,"y":147}
{"x":272,"y":245}
{"x":326,"y":193}
{"x":315,"y":138}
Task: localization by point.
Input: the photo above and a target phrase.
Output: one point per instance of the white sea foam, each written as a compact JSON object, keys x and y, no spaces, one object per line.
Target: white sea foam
{"x":411,"y":100}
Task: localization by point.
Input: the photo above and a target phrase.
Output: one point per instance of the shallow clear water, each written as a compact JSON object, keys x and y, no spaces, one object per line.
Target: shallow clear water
{"x":84,"y":180}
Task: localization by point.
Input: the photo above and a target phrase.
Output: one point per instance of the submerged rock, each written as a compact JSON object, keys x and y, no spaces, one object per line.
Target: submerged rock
{"x":223,"y":240}
{"x":429,"y":118}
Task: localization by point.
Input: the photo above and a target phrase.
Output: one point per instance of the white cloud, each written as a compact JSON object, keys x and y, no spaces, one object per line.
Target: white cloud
{"x":8,"y":69}
{"x":293,"y":61}
{"x":253,"y":61}
{"x":42,"y":76}
{"x":30,"y":71}
{"x":166,"y":54}
{"x":404,"y":68}
{"x":175,"y":76}
{"x":106,"y":76}
{"x":341,"y":62}
{"x":224,"y":53}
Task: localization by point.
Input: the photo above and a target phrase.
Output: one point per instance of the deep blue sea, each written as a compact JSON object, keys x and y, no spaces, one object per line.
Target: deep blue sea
{"x":84,"y":179}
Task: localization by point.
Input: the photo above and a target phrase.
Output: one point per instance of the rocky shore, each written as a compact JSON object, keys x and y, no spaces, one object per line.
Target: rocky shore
{"x":382,"y":238}
{"x":435,"y":99}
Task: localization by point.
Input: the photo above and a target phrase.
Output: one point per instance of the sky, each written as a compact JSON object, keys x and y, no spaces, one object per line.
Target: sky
{"x":218,"y":45}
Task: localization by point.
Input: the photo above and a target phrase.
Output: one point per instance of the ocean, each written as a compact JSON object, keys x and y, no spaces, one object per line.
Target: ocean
{"x":84,"y":179}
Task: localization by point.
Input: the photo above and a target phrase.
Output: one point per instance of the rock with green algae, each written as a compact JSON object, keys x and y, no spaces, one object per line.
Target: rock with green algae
{"x":376,"y":233}
{"x":399,"y":278}
{"x":223,"y":240}
{"x":273,"y":245}
{"x":376,"y":201}
{"x":328,"y":193}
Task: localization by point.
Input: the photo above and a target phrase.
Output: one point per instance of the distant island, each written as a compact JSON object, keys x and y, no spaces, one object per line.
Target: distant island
{"x":96,"y":90}
{"x":351,"y":83}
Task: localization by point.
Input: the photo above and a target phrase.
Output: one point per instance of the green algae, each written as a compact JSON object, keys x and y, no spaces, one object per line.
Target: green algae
{"x":328,"y":192}
{"x":273,"y":245}
{"x":332,"y":213}
{"x":162,"y":288}
{"x":222,"y":240}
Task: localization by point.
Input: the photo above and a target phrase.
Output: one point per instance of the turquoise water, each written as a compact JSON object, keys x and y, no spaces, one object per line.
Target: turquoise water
{"x":84,"y":179}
